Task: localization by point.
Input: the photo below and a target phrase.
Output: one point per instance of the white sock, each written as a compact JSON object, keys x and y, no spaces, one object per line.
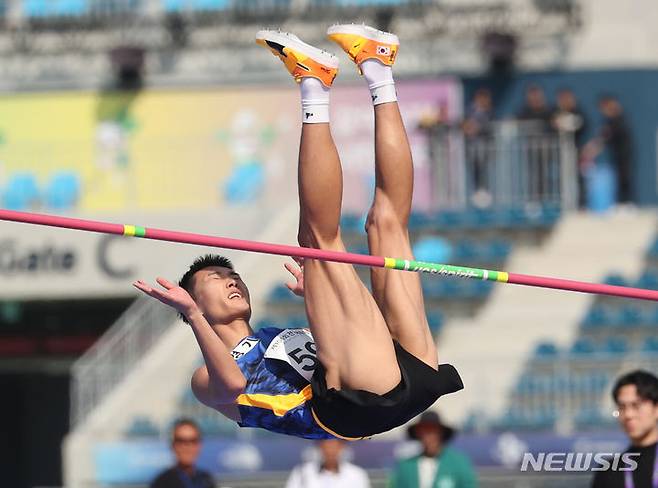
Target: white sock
{"x":380,"y":81}
{"x":315,"y":101}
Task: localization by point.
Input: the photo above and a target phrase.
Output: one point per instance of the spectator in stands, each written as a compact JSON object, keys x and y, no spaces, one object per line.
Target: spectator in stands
{"x":536,"y":110}
{"x":438,"y":465}
{"x":331,"y":470}
{"x":636,"y":397}
{"x":569,"y":119}
{"x":478,"y":131}
{"x":186,"y":445}
{"x":536,"y":116}
{"x":614,"y":137}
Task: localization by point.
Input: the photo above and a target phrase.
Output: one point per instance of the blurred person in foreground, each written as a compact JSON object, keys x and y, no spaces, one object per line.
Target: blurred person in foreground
{"x":186,"y":445}
{"x":331,"y":470}
{"x":438,"y":465}
{"x":569,"y":119}
{"x":636,"y":397}
{"x":615,"y":138}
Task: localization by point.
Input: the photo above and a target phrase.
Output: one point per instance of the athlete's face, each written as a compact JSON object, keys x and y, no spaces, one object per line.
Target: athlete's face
{"x":221,"y":294}
{"x":637,"y":416}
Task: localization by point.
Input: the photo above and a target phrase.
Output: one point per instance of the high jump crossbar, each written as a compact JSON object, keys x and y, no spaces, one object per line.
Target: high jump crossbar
{"x":326,"y":255}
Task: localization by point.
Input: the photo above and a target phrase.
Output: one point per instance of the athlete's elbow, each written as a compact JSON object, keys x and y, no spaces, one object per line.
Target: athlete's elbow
{"x":235,"y":388}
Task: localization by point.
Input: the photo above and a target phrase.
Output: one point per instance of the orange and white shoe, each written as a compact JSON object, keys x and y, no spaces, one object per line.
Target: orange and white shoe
{"x":362,"y":42}
{"x":301,"y":59}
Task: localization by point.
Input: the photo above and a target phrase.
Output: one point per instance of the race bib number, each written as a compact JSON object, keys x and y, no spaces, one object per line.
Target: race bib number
{"x":297,"y":348}
{"x":244,"y":346}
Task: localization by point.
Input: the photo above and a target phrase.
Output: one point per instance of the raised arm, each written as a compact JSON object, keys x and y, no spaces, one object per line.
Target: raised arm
{"x":221,"y":381}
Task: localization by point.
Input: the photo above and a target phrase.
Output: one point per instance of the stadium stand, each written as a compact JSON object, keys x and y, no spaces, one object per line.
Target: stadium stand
{"x":576,"y":380}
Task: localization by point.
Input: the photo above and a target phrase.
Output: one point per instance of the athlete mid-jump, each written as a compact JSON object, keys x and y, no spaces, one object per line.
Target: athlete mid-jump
{"x":368,"y":362}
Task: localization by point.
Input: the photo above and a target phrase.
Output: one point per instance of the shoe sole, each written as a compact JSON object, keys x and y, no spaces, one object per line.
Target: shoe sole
{"x":364,"y":31}
{"x":314,"y":53}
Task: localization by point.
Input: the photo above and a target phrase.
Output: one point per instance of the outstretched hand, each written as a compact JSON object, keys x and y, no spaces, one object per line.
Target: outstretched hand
{"x":172,"y":295}
{"x":298,"y":273}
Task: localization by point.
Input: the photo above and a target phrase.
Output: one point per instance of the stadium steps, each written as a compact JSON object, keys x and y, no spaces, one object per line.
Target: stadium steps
{"x":515,"y":318}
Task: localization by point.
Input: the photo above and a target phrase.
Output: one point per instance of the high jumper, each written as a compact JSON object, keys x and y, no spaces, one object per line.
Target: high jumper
{"x":368,"y":362}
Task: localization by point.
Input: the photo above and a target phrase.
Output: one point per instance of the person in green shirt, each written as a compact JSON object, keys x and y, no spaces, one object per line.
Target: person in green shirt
{"x":438,"y":466}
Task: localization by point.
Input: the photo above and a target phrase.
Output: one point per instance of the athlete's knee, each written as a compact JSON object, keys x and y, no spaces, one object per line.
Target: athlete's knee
{"x":384,"y":218}
{"x":310,"y":235}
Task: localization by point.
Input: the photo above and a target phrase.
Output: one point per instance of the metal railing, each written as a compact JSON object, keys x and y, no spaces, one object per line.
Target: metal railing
{"x":515,"y":164}
{"x":108,"y":362}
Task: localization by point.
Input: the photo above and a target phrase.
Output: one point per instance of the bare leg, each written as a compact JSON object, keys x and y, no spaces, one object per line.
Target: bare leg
{"x":398,"y":293}
{"x":349,"y":330}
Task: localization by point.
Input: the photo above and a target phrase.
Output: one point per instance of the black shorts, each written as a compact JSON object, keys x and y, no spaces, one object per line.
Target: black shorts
{"x":354,"y":414}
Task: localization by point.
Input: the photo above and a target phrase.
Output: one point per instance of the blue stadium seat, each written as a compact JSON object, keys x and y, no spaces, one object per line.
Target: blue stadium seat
{"x":650,"y":345}
{"x":630,"y":316}
{"x":484,"y":218}
{"x":296,"y":322}
{"x":546,"y":350}
{"x":419,"y":221}
{"x":615,"y":345}
{"x":269,"y":322}
{"x":450,"y":287}
{"x":526,"y":385}
{"x":281,"y":294}
{"x":188,"y":398}
{"x":21,"y":192}
{"x":216,"y":425}
{"x":245,"y":183}
{"x":466,"y":250}
{"x":175,"y":5}
{"x":550,"y":214}
{"x":648,"y":280}
{"x":589,"y":417}
{"x":195,"y":5}
{"x":498,"y":250}
{"x":449,"y":220}
{"x":615,"y":279}
{"x":652,"y":252}
{"x":142,"y":427}
{"x":652,"y":317}
{"x":597,"y":317}
{"x":359,"y":249}
{"x":207,"y":5}
{"x":353,"y":223}
{"x":479,"y":288}
{"x":435,"y":321}
{"x":582,"y":347}
{"x":71,"y":7}
{"x":63,"y":191}
{"x":433,"y":249}
{"x":54,"y":8}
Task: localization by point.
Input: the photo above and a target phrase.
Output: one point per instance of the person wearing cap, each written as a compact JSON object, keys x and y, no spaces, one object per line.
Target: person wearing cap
{"x":438,"y":465}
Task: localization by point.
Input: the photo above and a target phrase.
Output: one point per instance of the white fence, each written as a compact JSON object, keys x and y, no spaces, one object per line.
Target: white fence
{"x":516,"y":164}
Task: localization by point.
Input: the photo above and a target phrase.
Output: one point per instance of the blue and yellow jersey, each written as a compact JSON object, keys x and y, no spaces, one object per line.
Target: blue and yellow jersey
{"x":278,"y":365}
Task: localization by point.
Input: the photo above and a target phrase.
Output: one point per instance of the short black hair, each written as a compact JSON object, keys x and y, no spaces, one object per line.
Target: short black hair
{"x":645,"y":382}
{"x":181,"y":421}
{"x":202,"y":262}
